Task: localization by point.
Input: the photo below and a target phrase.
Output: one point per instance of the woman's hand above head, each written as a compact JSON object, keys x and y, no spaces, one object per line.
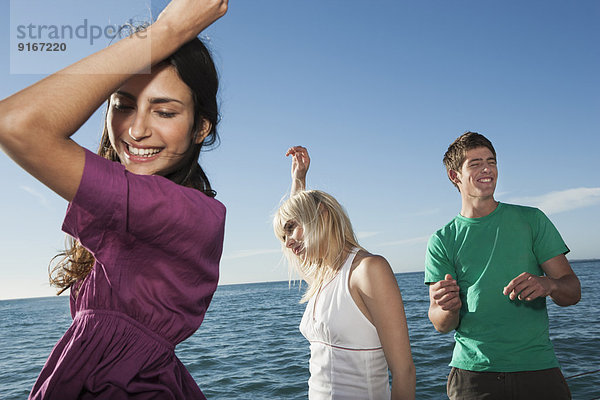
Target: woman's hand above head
{"x":36,"y":123}
{"x":190,"y":17}
{"x":300,"y":164}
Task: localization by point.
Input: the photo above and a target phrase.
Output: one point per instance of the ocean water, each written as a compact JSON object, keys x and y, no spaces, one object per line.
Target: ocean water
{"x":249,"y":346}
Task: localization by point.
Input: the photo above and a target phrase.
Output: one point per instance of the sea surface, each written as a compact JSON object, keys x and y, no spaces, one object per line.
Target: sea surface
{"x":249,"y":346}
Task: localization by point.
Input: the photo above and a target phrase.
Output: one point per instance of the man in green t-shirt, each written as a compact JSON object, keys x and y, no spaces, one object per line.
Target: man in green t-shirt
{"x":489,"y":271}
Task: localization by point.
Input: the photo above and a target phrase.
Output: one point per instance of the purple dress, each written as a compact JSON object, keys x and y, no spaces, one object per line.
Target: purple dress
{"x":157,"y":247}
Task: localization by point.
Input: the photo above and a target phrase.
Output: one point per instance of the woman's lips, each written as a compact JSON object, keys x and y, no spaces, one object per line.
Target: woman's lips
{"x":142,"y":154}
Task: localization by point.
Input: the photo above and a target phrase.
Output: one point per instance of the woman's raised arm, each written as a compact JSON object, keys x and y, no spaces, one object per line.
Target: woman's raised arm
{"x":300,"y":164}
{"x":36,"y":123}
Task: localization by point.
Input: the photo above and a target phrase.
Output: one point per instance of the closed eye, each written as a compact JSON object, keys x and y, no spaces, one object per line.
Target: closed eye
{"x":288,"y":228}
{"x":166,"y":114}
{"x":121,"y":107}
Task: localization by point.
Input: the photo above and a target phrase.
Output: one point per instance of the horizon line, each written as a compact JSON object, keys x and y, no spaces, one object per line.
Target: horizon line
{"x":577,"y":260}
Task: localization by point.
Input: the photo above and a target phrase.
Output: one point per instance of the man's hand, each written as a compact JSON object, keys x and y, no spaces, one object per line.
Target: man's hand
{"x":444,"y":304}
{"x":529,"y":287}
{"x":445,"y":294}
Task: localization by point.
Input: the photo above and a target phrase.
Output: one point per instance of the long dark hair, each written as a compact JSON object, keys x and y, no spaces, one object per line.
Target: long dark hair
{"x":194,"y":65}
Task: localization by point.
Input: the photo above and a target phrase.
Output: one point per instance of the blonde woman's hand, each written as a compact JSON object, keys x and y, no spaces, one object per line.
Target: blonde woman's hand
{"x":300,"y":164}
{"x":190,"y":17}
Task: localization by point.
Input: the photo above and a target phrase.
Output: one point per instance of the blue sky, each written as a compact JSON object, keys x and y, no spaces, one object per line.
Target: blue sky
{"x":376,"y":90}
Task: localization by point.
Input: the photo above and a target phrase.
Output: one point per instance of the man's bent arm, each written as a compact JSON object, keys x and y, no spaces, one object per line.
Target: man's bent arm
{"x":560,"y":283}
{"x":443,"y":321}
{"x":445,"y":304}
{"x":565,"y":286}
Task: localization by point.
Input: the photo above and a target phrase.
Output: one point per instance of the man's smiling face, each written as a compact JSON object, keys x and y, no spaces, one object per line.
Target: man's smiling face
{"x":478,"y":174}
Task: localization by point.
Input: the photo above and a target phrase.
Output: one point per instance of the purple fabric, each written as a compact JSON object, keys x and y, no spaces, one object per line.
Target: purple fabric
{"x":157,"y":247}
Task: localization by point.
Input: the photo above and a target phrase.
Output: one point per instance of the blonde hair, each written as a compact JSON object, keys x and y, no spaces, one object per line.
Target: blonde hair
{"x":328,"y":236}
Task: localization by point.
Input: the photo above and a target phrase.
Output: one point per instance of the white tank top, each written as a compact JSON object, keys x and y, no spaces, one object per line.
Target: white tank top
{"x":346,"y":357}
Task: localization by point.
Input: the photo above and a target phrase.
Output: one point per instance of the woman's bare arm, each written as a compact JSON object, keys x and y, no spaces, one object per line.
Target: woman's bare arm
{"x":36,"y":123}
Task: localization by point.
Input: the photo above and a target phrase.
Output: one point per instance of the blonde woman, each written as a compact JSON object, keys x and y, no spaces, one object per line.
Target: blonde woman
{"x":354,"y":318}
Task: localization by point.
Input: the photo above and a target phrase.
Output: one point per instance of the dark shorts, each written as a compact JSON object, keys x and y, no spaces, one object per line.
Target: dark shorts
{"x":546,"y":384}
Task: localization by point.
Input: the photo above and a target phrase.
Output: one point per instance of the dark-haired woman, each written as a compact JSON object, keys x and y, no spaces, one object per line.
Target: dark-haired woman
{"x":148,"y":233}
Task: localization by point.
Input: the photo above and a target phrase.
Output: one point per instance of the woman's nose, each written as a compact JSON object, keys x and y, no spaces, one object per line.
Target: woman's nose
{"x":289,"y":242}
{"x":139,"y":129}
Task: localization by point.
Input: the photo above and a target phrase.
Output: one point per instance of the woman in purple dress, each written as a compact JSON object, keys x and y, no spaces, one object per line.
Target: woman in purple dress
{"x":148,"y":233}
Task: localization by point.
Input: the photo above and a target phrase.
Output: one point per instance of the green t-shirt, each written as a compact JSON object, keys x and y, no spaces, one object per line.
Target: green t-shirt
{"x":484,"y":255}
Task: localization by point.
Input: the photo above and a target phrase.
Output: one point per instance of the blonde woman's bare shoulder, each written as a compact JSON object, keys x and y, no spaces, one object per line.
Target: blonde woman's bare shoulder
{"x":371,"y":274}
{"x":367,"y":263}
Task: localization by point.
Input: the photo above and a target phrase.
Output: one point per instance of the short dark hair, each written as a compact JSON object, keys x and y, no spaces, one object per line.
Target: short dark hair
{"x":457,"y":151}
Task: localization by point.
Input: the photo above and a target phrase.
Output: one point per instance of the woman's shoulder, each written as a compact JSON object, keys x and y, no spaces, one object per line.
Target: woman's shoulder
{"x":153,"y":187}
{"x":186,"y":206}
{"x":193,"y":194}
{"x":366,"y":264}
{"x":370,"y":272}
{"x":364,"y":257}
{"x":109,"y":182}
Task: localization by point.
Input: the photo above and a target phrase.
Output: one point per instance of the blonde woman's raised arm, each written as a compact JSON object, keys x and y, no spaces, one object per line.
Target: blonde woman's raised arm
{"x":300,"y":164}
{"x":36,"y":123}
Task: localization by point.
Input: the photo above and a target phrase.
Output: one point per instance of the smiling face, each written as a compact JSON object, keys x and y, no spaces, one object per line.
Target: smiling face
{"x":478,"y":174}
{"x":150,"y":120}
{"x":294,"y":238}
